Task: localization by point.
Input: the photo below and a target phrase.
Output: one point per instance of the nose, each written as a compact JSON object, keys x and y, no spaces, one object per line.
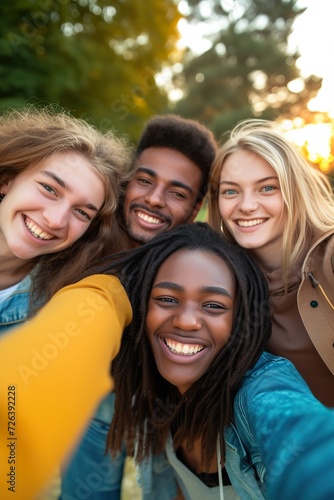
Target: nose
{"x":56,"y":216}
{"x":187,"y":319}
{"x":248,"y":202}
{"x":155,"y":196}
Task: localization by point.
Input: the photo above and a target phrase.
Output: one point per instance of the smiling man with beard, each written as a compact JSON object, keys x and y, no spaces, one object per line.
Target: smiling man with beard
{"x":173,"y":158}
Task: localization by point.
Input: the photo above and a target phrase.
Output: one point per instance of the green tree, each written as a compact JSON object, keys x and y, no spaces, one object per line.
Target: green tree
{"x":95,"y":57}
{"x":248,"y":71}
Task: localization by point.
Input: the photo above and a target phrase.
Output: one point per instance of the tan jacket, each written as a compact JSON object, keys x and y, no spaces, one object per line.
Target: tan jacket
{"x":303,"y":320}
{"x":316,"y":297}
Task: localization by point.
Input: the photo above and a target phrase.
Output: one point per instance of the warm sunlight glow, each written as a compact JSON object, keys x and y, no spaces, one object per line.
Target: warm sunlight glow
{"x":312,"y":37}
{"x":314,"y":140}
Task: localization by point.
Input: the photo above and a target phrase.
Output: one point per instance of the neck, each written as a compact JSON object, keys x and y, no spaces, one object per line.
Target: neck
{"x":13,"y":269}
{"x":268,"y":265}
{"x":269,"y":259}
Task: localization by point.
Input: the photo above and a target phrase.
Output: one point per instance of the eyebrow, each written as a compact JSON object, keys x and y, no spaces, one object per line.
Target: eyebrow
{"x":57,"y":179}
{"x":65,"y":186}
{"x":175,"y":183}
{"x":204,"y":289}
{"x":257,"y":182}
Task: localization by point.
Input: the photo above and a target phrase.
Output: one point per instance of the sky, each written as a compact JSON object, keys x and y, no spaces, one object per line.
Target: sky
{"x":313,"y":36}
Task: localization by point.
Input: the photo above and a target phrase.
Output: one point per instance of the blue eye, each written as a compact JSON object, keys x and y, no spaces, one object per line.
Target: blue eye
{"x":229,"y":192}
{"x":48,"y":188}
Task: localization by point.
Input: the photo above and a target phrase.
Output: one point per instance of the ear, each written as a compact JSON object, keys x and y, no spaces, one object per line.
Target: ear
{"x":5,"y":187}
{"x":195,"y":211}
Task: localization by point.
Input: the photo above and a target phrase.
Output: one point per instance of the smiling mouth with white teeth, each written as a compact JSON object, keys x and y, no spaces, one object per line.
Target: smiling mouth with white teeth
{"x":36,"y":231}
{"x":183,"y":349}
{"x":250,"y":223}
{"x":149,"y":218}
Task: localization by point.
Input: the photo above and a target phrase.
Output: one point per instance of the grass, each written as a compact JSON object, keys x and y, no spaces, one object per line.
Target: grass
{"x":130,"y":490}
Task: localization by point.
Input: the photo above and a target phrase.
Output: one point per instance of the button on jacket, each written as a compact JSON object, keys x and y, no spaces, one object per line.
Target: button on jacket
{"x":316,"y":297}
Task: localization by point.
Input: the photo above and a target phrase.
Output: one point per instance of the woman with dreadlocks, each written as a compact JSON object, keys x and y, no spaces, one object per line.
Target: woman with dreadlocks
{"x":190,"y":378}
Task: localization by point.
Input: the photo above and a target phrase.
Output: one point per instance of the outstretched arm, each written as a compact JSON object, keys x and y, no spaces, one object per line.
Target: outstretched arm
{"x":54,"y":370}
{"x":293,"y":431}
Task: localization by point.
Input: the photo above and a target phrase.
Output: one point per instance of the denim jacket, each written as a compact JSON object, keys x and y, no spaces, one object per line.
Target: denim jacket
{"x":276,"y":419}
{"x":15,"y":308}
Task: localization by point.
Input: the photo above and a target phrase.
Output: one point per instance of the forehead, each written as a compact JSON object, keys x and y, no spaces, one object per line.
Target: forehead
{"x":65,"y":163}
{"x":196,"y":269}
{"x":171,"y":166}
{"x":72,"y":172}
{"x":244,"y":164}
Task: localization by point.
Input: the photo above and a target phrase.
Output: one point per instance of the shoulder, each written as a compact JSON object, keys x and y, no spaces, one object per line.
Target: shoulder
{"x":97,"y":280}
{"x":101,"y":282}
{"x":268,"y":363}
{"x":322,"y":246}
{"x":271,"y":373}
{"x":97,"y":290}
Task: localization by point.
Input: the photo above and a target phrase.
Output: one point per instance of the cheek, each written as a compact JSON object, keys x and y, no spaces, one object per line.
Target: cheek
{"x":222,"y":206}
{"x":149,"y":324}
{"x":128,"y":195}
{"x":223,"y":331}
{"x":155,"y":318}
{"x":77,"y":229}
{"x":181,"y":212}
{"x":224,"y":210}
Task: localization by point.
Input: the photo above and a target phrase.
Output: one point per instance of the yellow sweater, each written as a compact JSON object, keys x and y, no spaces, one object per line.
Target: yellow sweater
{"x":54,"y":371}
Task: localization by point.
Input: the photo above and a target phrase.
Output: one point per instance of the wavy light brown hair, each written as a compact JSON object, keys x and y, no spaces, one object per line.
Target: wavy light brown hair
{"x":30,"y":136}
{"x":307,"y":192}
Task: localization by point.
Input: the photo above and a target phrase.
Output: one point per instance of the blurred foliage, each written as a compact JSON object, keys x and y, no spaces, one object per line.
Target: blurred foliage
{"x":100,"y":60}
{"x":247,"y":71}
{"x":95,"y":57}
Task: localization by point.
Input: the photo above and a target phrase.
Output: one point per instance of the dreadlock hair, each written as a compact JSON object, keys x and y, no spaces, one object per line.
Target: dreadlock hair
{"x":189,"y":137}
{"x":147,"y":406}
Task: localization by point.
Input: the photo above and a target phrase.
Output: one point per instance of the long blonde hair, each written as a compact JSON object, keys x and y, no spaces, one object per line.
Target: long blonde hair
{"x":307,"y":192}
{"x":30,"y":136}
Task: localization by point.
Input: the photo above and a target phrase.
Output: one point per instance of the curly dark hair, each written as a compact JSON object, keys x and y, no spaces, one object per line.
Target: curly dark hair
{"x":189,"y":137}
{"x":142,"y":393}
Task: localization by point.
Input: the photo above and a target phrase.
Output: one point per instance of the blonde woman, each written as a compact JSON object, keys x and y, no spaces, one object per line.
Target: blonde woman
{"x":264,"y":196}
